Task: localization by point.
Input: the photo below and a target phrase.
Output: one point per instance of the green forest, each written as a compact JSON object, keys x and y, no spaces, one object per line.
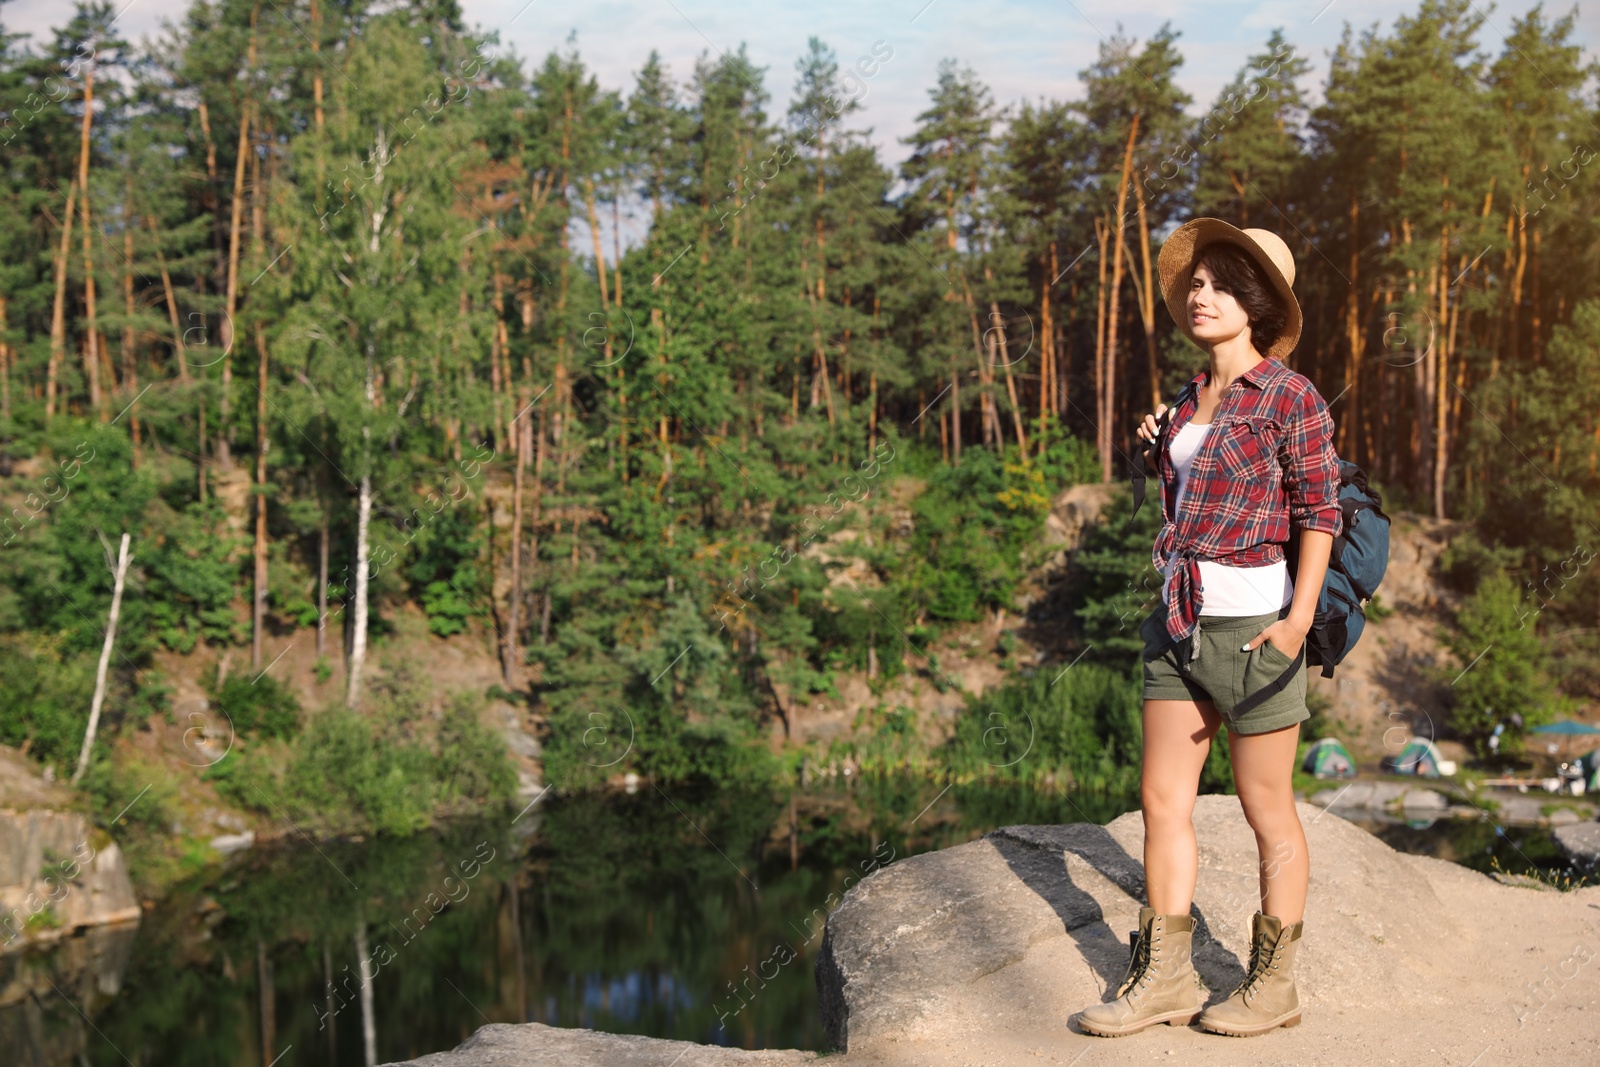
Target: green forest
{"x":325,"y":307}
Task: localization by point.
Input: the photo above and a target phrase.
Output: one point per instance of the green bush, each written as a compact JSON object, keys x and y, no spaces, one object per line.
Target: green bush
{"x":45,"y":699}
{"x":971,"y":526}
{"x":350,"y":772}
{"x":444,"y":575}
{"x":1080,"y":727}
{"x":262,"y":706}
{"x":133,"y":796}
{"x":473,"y":762}
{"x":343,"y":776}
{"x":1114,"y":585}
{"x":192,"y":579}
{"x":1500,"y":667}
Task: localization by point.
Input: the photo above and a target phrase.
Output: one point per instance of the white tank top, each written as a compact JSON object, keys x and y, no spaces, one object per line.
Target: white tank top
{"x":1228,"y":590}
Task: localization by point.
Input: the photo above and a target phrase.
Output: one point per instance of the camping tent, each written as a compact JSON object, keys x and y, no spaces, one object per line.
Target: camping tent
{"x":1328,"y":758}
{"x":1590,"y":765}
{"x":1420,"y":757}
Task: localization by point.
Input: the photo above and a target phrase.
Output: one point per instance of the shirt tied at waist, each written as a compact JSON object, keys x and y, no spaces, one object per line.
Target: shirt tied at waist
{"x":1185,"y":597}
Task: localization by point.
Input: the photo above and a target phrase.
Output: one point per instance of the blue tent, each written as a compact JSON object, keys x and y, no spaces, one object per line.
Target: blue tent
{"x":1420,"y":757}
{"x":1328,"y":758}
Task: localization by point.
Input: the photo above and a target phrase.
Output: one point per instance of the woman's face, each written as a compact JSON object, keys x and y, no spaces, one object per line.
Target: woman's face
{"x":1214,"y":314}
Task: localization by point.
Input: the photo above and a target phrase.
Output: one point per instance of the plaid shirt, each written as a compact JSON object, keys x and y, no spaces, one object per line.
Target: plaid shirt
{"x":1267,"y":462}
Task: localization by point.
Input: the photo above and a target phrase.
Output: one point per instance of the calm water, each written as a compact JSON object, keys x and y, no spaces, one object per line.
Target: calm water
{"x":690,"y":917}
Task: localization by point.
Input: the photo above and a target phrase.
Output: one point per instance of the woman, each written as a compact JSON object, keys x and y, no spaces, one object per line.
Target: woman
{"x":1248,"y":463}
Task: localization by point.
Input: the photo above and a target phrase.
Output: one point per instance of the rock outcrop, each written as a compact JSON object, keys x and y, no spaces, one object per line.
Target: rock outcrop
{"x":1013,"y":933}
{"x":982,"y":954}
{"x":1580,"y":841}
{"x":58,"y":873}
{"x":537,"y":1045}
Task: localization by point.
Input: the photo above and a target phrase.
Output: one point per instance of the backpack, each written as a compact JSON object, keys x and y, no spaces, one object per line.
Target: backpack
{"x":1356,"y":564}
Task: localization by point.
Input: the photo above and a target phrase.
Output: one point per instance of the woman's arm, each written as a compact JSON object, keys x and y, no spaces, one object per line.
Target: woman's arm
{"x":1291,"y":630}
{"x":1315,"y":547}
{"x":1312,"y":480}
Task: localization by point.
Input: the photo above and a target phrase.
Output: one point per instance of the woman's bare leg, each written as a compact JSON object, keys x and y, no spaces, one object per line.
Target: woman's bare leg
{"x":1262,"y":765}
{"x":1177,"y":737}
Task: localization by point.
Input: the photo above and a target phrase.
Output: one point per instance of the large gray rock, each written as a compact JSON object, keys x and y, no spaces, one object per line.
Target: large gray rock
{"x":1580,"y":841}
{"x":1519,"y":809}
{"x":58,"y":874}
{"x":910,"y":937}
{"x":1375,"y":795}
{"x":1030,"y":923}
{"x":537,"y":1045}
{"x":1423,"y":800}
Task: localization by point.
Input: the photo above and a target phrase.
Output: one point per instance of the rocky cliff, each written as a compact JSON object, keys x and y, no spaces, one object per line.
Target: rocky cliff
{"x":58,"y":873}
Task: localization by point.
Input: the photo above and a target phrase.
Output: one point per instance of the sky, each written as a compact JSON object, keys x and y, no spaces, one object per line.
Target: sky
{"x":1023,"y":50}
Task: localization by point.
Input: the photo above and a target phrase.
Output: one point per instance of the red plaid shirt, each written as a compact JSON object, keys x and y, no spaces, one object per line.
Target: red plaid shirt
{"x":1267,"y":463}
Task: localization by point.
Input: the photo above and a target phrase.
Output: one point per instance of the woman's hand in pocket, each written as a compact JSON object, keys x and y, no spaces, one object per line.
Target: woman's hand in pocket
{"x":1286,"y":636}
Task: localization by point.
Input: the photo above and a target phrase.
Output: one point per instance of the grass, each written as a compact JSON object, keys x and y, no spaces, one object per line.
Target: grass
{"x":1565,"y":881}
{"x":43,"y":919}
{"x":1311,"y":785}
{"x":1585,"y":810}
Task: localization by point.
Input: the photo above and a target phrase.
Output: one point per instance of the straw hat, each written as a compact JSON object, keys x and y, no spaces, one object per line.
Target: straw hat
{"x":1177,"y":262}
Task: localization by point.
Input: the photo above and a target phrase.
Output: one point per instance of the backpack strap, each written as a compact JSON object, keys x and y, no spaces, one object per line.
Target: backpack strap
{"x":1151,"y":468}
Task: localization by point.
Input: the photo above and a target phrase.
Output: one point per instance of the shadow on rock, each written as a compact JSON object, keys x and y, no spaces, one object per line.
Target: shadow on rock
{"x":1042,"y":858}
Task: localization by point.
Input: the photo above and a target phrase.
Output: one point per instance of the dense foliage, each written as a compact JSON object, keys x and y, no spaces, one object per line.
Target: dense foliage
{"x":315,"y":301}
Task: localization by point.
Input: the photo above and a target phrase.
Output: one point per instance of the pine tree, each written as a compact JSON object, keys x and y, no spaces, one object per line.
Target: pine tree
{"x":943,"y":204}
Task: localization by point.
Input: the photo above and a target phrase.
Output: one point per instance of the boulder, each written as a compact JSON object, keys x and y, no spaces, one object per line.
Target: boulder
{"x":227,"y":844}
{"x":1423,"y":800}
{"x":1072,"y":510}
{"x":59,"y":873}
{"x":1580,"y":842}
{"x":1517,"y":808}
{"x":537,"y":1045}
{"x":1014,"y":933}
{"x":1369,"y":795}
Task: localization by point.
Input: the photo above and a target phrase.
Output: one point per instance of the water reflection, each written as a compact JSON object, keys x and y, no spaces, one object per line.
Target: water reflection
{"x":1480,"y":844}
{"x":85,"y":971}
{"x":696,"y":919}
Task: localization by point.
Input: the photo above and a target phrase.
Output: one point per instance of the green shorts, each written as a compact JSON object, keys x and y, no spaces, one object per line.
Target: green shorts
{"x":1220,"y":672}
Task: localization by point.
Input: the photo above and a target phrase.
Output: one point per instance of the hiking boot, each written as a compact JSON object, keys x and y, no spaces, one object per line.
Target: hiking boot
{"x":1161,"y":986}
{"x":1266,"y":998}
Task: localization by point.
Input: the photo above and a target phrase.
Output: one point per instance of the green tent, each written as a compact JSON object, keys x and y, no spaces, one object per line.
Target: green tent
{"x":1590,"y":765}
{"x":1420,"y":757}
{"x":1328,"y":758}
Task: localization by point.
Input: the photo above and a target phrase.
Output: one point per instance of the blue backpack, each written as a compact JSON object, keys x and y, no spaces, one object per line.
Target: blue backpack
{"x":1356,"y":565}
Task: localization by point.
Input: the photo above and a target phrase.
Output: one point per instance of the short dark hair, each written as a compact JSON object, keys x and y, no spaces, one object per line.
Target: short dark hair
{"x":1233,"y":267}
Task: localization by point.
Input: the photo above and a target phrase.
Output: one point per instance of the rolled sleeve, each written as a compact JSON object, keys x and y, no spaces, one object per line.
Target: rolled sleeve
{"x":1311,"y":475}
